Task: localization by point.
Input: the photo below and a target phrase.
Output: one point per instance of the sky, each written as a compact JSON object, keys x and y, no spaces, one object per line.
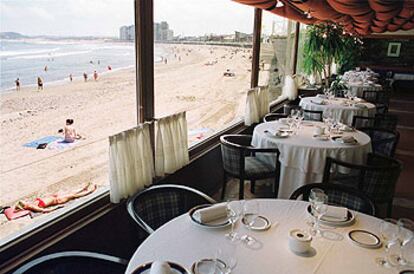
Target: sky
{"x":104,"y":17}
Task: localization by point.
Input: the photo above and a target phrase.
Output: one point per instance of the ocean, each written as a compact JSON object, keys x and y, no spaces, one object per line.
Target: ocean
{"x":27,"y":59}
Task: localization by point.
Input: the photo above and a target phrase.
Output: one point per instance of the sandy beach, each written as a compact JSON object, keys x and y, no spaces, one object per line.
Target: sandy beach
{"x":192,"y":80}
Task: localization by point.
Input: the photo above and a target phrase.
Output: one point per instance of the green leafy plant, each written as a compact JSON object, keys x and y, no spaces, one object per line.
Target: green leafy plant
{"x":326,"y":44}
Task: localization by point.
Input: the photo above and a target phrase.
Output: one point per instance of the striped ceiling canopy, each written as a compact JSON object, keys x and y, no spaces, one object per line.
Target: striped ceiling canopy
{"x":360,"y":17}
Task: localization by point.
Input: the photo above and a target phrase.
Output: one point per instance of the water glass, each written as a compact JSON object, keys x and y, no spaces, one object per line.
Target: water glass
{"x":389,"y":232}
{"x":227,"y":255}
{"x":234,"y":211}
{"x":405,"y":235}
{"x":320,"y":208}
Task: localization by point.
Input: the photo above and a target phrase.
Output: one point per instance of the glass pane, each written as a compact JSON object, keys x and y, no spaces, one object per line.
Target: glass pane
{"x":202,"y":62}
{"x":276,"y":52}
{"x":59,"y":42}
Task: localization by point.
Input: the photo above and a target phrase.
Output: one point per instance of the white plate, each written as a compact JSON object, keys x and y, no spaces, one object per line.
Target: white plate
{"x":219,"y":223}
{"x":279,"y":134}
{"x":349,"y":220}
{"x":338,"y":140}
{"x":364,"y":238}
{"x":205,"y":266}
{"x":260,"y":224}
{"x":321,"y":137}
{"x":175,"y":269}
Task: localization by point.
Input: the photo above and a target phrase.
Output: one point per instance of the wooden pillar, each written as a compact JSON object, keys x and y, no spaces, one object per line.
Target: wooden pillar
{"x":295,"y":53}
{"x":257,"y":29}
{"x":144,"y":50}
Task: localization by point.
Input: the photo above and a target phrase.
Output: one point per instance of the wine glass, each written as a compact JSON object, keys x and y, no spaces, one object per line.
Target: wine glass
{"x":313,"y":195}
{"x":233,"y":215}
{"x":320,"y":207}
{"x":389,"y":235}
{"x":251,"y":211}
{"x":226,"y":255}
{"x":405,"y":235}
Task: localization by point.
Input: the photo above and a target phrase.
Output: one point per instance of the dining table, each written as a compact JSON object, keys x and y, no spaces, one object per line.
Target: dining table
{"x":185,"y":242}
{"x":358,"y":88}
{"x":342,"y":109}
{"x":302,"y":156}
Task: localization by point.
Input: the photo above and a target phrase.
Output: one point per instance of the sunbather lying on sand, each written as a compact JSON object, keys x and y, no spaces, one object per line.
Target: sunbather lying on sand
{"x":46,"y":204}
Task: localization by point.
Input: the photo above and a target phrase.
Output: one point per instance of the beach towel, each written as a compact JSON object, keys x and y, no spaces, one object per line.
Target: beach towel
{"x":44,"y":140}
{"x":61,"y":145}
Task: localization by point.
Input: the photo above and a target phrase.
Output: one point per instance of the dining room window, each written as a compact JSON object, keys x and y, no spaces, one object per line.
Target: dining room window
{"x":64,"y":65}
{"x":203,"y":62}
{"x":276,"y":52}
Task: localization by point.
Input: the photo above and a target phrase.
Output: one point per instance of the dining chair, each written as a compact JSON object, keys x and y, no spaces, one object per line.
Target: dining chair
{"x":370,"y":96}
{"x":74,"y":262}
{"x":385,"y":121}
{"x":287,"y":109}
{"x":242,"y":161}
{"x":274,"y":117}
{"x":381,"y":108}
{"x":384,"y":141}
{"x":154,"y":206}
{"x":312,"y":115}
{"x":338,"y":195}
{"x":376,"y":178}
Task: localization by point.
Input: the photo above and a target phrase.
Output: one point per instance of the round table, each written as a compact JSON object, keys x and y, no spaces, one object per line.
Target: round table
{"x":359,"y":87}
{"x":302,"y":158}
{"x":183,"y":242}
{"x":339,"y":108}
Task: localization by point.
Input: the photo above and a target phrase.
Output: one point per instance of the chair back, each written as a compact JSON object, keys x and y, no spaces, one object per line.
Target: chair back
{"x":370,"y":96}
{"x":74,"y":262}
{"x":312,"y":115}
{"x":233,"y":152}
{"x":287,"y":109}
{"x":274,"y":117}
{"x":362,"y":121}
{"x":386,"y":121}
{"x":153,"y":207}
{"x":338,"y":195}
{"x":384,"y":142}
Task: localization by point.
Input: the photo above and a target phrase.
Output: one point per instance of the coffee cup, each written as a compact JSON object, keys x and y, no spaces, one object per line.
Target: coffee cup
{"x":299,"y":241}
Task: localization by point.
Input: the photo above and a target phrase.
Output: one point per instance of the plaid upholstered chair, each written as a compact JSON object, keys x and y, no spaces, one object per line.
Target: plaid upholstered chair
{"x":287,"y":109}
{"x":385,"y":121}
{"x":153,"y":207}
{"x":74,"y":262}
{"x":338,"y":195}
{"x":376,"y":179}
{"x":381,"y":108}
{"x":240,"y":161}
{"x":384,"y":141}
{"x":312,"y":115}
{"x":370,"y":96}
{"x":274,"y":117}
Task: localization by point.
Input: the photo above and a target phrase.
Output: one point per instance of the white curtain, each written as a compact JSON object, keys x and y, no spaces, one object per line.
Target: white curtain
{"x":171,"y":147}
{"x":257,"y":105}
{"x":131,"y":162}
{"x":290,"y":90}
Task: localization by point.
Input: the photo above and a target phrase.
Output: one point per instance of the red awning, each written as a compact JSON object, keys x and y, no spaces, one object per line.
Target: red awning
{"x":361,"y":17}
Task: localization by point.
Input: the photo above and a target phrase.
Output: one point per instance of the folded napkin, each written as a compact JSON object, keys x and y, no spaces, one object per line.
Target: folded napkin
{"x":318,"y":101}
{"x":159,"y":267}
{"x":336,"y":213}
{"x":344,"y":127}
{"x":360,"y":105}
{"x":323,"y":96}
{"x":347,"y":139}
{"x":211,"y":213}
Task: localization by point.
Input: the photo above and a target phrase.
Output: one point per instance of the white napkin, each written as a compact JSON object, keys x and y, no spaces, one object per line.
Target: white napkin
{"x":159,"y":267}
{"x":336,"y":213}
{"x":347,"y":139}
{"x":323,"y":96}
{"x":318,"y":101}
{"x":211,"y":213}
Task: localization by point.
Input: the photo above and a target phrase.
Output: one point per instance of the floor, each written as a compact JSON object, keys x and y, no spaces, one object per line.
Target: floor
{"x":402,"y":105}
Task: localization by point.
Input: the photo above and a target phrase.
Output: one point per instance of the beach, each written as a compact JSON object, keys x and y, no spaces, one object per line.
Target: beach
{"x":192,"y":80}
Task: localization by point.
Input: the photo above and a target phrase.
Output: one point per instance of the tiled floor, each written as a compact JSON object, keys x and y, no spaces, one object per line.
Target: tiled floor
{"x":401,"y":105}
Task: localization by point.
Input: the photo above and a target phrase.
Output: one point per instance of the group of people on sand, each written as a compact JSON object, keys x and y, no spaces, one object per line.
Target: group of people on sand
{"x":39,"y":84}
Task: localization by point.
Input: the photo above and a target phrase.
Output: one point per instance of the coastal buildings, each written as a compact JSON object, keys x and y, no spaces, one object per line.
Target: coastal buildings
{"x":127,"y":33}
{"x":162,"y":32}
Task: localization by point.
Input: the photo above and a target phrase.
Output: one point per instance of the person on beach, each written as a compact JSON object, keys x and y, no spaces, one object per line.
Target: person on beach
{"x":17,"y":84}
{"x":95,"y":75}
{"x":165,"y":61}
{"x":45,"y":68}
{"x":70,"y":132}
{"x":85,"y":76}
{"x":39,"y":84}
{"x":70,"y":77}
{"x":109,"y":68}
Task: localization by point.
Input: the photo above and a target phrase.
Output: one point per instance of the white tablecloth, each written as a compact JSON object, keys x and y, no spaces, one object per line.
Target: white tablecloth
{"x":359,"y":87}
{"x":340,"y":111}
{"x":183,"y":242}
{"x":303,"y":158}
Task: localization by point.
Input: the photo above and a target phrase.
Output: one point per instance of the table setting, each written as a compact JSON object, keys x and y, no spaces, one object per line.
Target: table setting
{"x":267,"y":234}
{"x":343,"y":109}
{"x":358,"y":81}
{"x":305,"y":145}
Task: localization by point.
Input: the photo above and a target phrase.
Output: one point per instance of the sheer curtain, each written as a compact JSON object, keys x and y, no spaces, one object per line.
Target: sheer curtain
{"x":257,"y":105}
{"x":290,"y":90}
{"x":131,"y":162}
{"x":171,"y":146}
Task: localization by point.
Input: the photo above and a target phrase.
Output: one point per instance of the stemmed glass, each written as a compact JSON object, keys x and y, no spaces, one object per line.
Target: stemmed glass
{"x":313,"y":195}
{"x":233,"y":214}
{"x":327,"y":118}
{"x":227,"y":256}
{"x":251,"y":211}
{"x":405,"y":235}
{"x":389,"y":231}
{"x":320,"y":207}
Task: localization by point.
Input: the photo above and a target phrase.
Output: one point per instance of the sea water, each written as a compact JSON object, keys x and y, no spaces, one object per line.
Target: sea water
{"x":27,"y":59}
